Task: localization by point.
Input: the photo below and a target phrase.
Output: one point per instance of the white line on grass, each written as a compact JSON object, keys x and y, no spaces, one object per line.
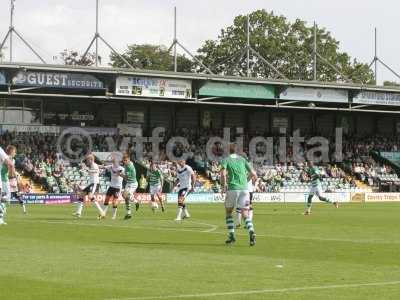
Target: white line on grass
{"x":213,"y":231}
{"x":210,"y":230}
{"x":263,"y":291}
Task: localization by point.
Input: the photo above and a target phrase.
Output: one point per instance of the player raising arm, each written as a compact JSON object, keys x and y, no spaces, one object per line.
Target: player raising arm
{"x":186,"y":179}
{"x":234,"y":177}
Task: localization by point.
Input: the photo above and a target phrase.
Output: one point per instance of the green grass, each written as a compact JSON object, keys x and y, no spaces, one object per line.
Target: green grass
{"x":49,"y":255}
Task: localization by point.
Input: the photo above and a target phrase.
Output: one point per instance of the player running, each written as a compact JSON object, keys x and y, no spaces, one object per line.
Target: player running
{"x":130,"y":186}
{"x":115,"y":187}
{"x":89,"y":191}
{"x":315,"y":188}
{"x":187,"y":179}
{"x":5,"y":160}
{"x":156,"y":183}
{"x":235,"y":174}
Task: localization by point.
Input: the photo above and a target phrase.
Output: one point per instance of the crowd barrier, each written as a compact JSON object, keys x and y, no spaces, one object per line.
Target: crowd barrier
{"x":292,"y":197}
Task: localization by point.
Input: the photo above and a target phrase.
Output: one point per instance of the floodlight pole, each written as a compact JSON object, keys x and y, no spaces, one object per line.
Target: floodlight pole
{"x":377,"y":60}
{"x":376,"y":57}
{"x":95,"y":40}
{"x":315,"y":52}
{"x":248,"y":45}
{"x":12,"y":30}
{"x":97,"y":33}
{"x":176,"y":43}
{"x":175,"y":40}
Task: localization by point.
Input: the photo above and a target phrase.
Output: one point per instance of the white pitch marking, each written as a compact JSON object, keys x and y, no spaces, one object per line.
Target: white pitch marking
{"x":212,"y":231}
{"x":264,"y":291}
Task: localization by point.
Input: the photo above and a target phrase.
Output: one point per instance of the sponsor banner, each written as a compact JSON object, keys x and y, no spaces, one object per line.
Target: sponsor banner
{"x":97,"y":130}
{"x":280,"y":122}
{"x":393,"y":156}
{"x":57,"y":80}
{"x":296,"y":197}
{"x":153,"y":87}
{"x":2,"y":79}
{"x":237,"y":90}
{"x":48,"y":199}
{"x":198,"y":198}
{"x":302,"y":197}
{"x":142,"y":198}
{"x":130,"y":129}
{"x":315,"y":95}
{"x":382,"y":197}
{"x":377,"y":98}
{"x":269,"y":197}
{"x":357,"y":197}
{"x":31,"y":128}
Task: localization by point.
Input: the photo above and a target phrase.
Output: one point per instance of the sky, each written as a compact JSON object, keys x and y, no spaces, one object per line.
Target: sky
{"x":54,"y":25}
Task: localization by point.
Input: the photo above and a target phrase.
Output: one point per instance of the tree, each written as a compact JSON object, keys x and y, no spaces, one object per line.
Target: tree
{"x":151,"y":57}
{"x":288,"y":46}
{"x":73,"y":58}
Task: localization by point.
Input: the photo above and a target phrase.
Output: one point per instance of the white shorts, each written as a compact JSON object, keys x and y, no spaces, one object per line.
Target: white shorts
{"x":131,"y":188}
{"x":155,"y":189}
{"x":6,"y":191}
{"x":316,"y":190}
{"x":237,"y":199}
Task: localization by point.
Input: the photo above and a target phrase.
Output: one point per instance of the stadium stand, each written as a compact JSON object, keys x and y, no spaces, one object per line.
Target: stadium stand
{"x":38,"y":158}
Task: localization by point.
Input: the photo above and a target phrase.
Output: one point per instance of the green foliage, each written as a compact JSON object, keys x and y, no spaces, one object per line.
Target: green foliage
{"x":73,"y":58}
{"x":151,"y":57}
{"x":288,"y":46}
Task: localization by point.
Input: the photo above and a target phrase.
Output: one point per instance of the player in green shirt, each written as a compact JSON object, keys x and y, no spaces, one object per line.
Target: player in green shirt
{"x":130,"y":185}
{"x":315,"y":188}
{"x":155,"y":179}
{"x":235,"y":174}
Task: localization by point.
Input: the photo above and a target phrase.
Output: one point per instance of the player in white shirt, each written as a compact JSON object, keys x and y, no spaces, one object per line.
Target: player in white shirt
{"x":93,"y":186}
{"x":186,"y":178}
{"x":4,"y":159}
{"x":115,"y":187}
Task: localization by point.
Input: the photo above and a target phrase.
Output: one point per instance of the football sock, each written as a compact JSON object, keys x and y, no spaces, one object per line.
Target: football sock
{"x":186,"y":212}
{"x":99,"y":208}
{"x":23,"y":207}
{"x":251,"y":213}
{"x":238,"y":217}
{"x":230,"y":224}
{"x":249,"y":225}
{"x":128,"y":206}
{"x":324,"y":199}
{"x":105,"y":208}
{"x":114,"y":214}
{"x":80,"y":208}
{"x":309,"y":201}
{"x":179,"y":215}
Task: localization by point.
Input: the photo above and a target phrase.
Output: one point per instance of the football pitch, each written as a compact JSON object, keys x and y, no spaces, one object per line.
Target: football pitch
{"x":347,"y":253}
